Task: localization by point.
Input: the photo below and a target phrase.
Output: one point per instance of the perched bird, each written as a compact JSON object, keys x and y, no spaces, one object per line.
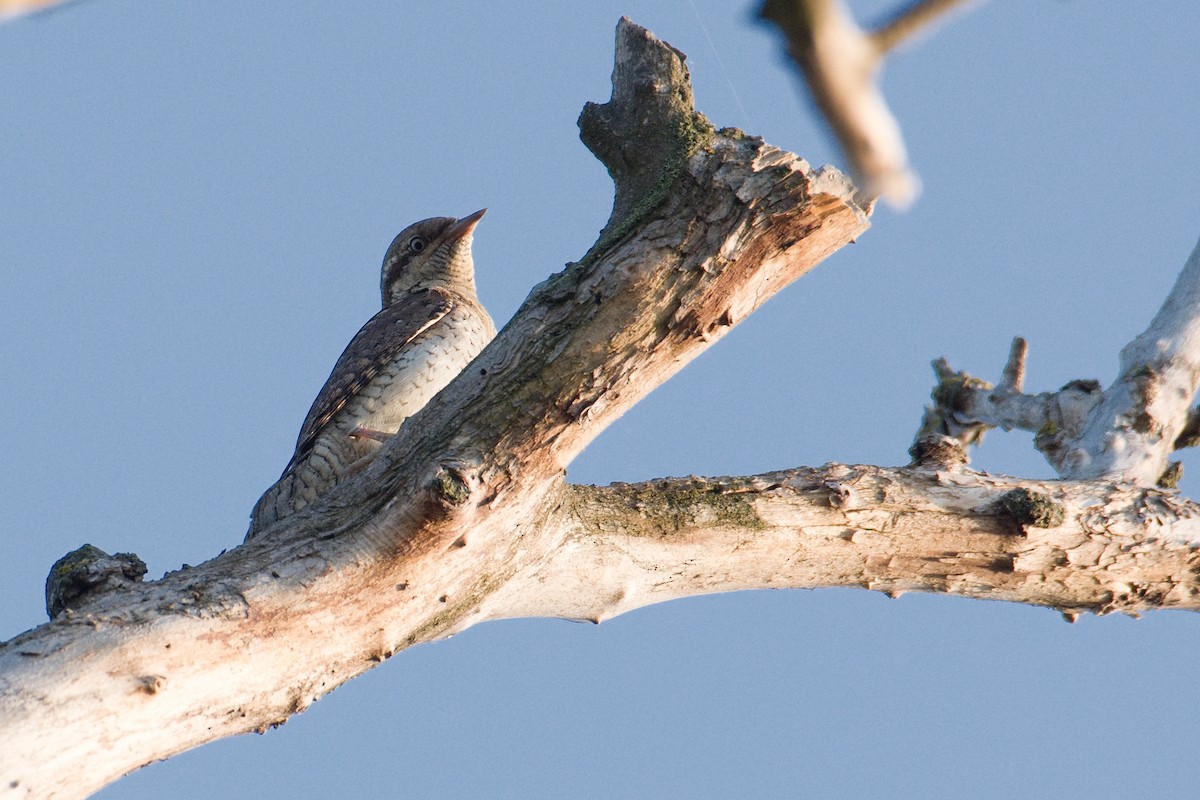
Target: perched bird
{"x":430,"y":328}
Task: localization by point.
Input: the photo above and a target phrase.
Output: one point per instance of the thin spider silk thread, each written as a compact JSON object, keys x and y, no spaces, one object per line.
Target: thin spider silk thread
{"x":724,"y":72}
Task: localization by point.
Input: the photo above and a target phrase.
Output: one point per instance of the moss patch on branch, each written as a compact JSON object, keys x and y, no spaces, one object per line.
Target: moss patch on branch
{"x":661,"y":507}
{"x":1033,"y":509}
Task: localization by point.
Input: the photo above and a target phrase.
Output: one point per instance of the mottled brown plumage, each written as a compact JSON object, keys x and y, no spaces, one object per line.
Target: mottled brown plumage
{"x":374,"y":347}
{"x":430,"y":327}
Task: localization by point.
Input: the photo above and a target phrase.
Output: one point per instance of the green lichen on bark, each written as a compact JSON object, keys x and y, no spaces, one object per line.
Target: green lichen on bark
{"x":663,"y":507}
{"x":1046,"y":440}
{"x":953,"y":390}
{"x":1171,"y":476}
{"x":932,"y":449}
{"x":451,"y":487}
{"x":646,"y":133}
{"x":637,"y":199}
{"x":951,"y":400}
{"x":86,"y":572}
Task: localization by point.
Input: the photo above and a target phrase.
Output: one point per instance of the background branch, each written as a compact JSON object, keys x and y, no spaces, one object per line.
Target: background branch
{"x":918,"y":17}
{"x":1125,"y":432}
{"x":840,"y":64}
{"x":10,"y":9}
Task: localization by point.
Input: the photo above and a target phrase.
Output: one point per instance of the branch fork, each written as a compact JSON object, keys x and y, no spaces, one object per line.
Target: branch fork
{"x":468,"y":496}
{"x":1124,"y":433}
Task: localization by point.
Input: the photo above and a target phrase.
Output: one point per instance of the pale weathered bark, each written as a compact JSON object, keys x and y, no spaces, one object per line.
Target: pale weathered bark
{"x":1125,"y":433}
{"x":464,"y":515}
{"x":1072,"y":546}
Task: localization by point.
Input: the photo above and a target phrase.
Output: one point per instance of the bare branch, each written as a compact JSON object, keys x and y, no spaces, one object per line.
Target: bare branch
{"x":1133,"y":431}
{"x":893,"y":530}
{"x":463,"y":515}
{"x":707,"y":225}
{"x":1013,"y":377}
{"x":840,"y":64}
{"x":1124,"y":433}
{"x":952,"y":414}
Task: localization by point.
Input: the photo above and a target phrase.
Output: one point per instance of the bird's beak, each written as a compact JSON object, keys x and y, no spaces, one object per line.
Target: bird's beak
{"x":463,"y":227}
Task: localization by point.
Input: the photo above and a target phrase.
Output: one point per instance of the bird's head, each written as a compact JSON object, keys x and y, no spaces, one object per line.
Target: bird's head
{"x":429,"y":253}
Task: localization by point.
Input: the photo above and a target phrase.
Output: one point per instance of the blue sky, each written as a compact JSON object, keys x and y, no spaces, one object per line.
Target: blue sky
{"x":194,"y":202}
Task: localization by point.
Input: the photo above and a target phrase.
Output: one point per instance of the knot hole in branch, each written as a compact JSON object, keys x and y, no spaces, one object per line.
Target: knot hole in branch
{"x":87,"y":572}
{"x":452,"y":485}
{"x":1031,"y":509}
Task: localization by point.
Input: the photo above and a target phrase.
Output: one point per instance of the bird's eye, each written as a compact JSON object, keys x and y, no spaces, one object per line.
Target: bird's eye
{"x":416,"y":244}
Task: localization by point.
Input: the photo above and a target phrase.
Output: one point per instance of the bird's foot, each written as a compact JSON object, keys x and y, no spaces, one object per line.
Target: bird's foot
{"x":367,"y":433}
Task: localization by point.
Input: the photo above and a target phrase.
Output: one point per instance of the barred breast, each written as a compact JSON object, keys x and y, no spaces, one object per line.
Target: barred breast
{"x":401,"y":387}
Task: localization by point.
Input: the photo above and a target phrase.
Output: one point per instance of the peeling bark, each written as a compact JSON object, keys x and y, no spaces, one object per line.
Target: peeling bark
{"x":1124,"y":433}
{"x":1073,"y":547}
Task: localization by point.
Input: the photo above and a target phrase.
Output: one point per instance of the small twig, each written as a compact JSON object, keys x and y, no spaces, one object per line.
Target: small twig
{"x":1013,"y":377}
{"x":1123,"y":433}
{"x":840,"y":63}
{"x":965,"y":407}
{"x":909,"y":22}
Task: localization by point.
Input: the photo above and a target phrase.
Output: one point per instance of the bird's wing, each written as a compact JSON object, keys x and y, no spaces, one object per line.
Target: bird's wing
{"x":371,"y":349}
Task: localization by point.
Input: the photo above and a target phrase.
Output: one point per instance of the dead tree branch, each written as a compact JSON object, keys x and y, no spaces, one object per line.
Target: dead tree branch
{"x":952,"y":531}
{"x":10,"y":9}
{"x":464,"y":515}
{"x":1125,"y":433}
{"x":706,"y":226}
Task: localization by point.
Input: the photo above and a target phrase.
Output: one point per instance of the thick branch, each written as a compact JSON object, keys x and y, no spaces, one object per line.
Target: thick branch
{"x":1133,"y":430}
{"x":894,"y":530}
{"x":674,"y":270}
{"x":463,"y":516}
{"x":705,"y":229}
